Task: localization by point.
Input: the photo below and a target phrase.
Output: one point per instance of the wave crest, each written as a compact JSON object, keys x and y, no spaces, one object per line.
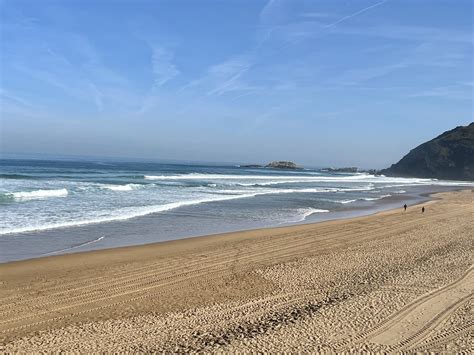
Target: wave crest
{"x":128,"y":187}
{"x":38,"y":194}
{"x":306,"y":212}
{"x":311,"y":178}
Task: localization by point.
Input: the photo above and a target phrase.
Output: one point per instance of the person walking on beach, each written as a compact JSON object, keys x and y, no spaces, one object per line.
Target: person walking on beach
{"x":405,"y":206}
{"x":423,"y":209}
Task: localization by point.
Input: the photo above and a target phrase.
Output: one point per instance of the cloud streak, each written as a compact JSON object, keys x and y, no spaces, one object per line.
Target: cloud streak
{"x":227,"y":76}
{"x":163,"y":70}
{"x":460,"y":91}
{"x":357,"y":13}
{"x":223,"y":77}
{"x":162,"y":66}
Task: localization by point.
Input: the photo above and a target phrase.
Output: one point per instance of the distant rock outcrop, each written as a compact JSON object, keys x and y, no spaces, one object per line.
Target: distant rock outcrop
{"x":251,"y":166}
{"x":342,"y":170}
{"x":371,"y":172}
{"x":282,"y":165}
{"x":448,"y":156}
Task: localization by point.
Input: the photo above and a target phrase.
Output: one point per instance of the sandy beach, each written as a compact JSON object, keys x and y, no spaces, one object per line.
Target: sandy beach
{"x":394,"y":281}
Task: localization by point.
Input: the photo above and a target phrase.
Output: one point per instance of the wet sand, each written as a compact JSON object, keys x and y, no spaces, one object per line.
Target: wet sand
{"x":393,"y":281}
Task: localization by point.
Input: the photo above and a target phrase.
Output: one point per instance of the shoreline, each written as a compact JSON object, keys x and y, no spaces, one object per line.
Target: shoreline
{"x":101,"y":230}
{"x":269,"y":289}
{"x":208,"y":237}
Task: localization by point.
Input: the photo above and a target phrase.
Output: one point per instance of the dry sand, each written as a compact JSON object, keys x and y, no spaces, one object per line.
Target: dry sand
{"x":394,"y":281}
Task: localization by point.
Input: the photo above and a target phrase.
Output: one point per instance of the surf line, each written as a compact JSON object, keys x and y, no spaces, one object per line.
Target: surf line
{"x":75,"y":246}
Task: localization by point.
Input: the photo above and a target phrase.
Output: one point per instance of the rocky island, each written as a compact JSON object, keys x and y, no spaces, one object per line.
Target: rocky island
{"x":448,"y":156}
{"x":282,"y":165}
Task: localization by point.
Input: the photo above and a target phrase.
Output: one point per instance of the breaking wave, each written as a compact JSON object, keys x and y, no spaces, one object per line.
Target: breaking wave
{"x":123,"y":214}
{"x":128,"y":187}
{"x":309,"y":211}
{"x":37,"y":194}
{"x":198,"y":176}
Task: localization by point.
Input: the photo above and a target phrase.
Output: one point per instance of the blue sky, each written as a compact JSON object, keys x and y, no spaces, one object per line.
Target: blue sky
{"x":318,"y":82}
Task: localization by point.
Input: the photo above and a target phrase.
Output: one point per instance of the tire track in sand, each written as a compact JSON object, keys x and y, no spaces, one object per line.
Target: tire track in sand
{"x":411,"y":325}
{"x":42,"y":305}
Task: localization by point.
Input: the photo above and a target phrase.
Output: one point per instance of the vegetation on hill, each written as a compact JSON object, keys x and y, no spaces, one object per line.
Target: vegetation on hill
{"x":448,"y":156}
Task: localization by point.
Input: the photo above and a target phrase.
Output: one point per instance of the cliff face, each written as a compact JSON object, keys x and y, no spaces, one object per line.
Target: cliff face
{"x":448,"y":156}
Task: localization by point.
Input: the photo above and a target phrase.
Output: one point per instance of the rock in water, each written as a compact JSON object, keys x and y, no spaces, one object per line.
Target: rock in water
{"x":342,"y":170}
{"x":282,"y":165}
{"x":448,"y":156}
{"x":251,"y":166}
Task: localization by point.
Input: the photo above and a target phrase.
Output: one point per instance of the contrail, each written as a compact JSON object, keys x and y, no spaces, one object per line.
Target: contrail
{"x":355,"y":14}
{"x":341,"y":20}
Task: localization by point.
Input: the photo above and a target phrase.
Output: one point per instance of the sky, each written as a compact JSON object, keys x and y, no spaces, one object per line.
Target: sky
{"x":318,"y":82}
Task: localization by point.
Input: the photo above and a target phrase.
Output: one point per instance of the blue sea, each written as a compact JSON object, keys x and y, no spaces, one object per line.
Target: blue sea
{"x":50,"y":207}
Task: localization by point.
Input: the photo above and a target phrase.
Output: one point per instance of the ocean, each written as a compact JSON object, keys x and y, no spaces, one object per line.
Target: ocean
{"x":51,"y":207}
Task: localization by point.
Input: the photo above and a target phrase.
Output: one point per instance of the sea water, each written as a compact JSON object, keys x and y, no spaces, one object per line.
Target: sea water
{"x":53,"y":201}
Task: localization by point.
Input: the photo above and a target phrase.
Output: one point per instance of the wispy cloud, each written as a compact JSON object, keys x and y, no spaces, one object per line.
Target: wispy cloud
{"x":425,"y":55}
{"x":97,"y":96}
{"x":358,"y":76}
{"x":68,"y":62}
{"x":223,"y":77}
{"x":162,"y":66}
{"x":276,"y":22}
{"x":272,"y":12}
{"x":53,"y":79}
{"x":227,"y":76}
{"x":82,"y":89}
{"x":5,"y":95}
{"x":439,"y":54}
{"x":14,"y":104}
{"x":163,"y":70}
{"x":357,"y":13}
{"x":409,"y":33}
{"x":317,"y":15}
{"x":459,"y":91}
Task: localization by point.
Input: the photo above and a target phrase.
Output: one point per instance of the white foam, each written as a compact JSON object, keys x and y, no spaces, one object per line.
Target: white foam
{"x":305,"y":213}
{"x":257,"y":192}
{"x":196,"y":176}
{"x":309,"y":211}
{"x":74,"y":247}
{"x":123,"y":214}
{"x":38,"y":194}
{"x":132,"y":212}
{"x":375,"y":198}
{"x":267,"y":180}
{"x":128,"y":187}
{"x":269,"y":183}
{"x":345,"y":201}
{"x":366,"y":182}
